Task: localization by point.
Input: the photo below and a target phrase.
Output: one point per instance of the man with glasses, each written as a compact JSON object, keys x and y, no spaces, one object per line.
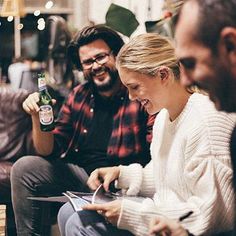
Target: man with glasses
{"x":97,"y":126}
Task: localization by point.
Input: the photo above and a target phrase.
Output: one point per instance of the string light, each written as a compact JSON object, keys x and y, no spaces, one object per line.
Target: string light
{"x":10,"y":18}
{"x":41,"y":21}
{"x":41,"y":27}
{"x":20,"y":26}
{"x":41,"y":24}
{"x":37,"y":12}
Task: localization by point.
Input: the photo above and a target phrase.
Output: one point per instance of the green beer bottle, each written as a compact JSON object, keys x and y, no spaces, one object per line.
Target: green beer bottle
{"x":46,"y":117}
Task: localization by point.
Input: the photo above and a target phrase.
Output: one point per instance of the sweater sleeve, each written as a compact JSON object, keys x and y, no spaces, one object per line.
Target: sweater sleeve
{"x":210,"y":182}
{"x":136,"y":180}
{"x":136,"y":216}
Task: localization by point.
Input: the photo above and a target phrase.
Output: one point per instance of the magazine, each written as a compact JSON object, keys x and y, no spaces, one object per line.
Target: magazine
{"x":99,"y":196}
{"x":79,"y":199}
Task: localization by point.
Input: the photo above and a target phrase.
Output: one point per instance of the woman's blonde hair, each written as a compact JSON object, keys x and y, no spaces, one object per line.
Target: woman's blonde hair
{"x":146,"y":53}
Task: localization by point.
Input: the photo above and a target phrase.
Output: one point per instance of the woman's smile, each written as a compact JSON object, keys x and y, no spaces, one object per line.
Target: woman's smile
{"x":144,"y":102}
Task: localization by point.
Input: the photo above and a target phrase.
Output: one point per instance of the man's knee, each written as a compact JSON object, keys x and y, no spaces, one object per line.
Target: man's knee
{"x":24,"y":167}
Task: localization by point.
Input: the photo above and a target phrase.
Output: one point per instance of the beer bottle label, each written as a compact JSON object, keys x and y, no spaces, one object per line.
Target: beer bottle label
{"x":41,"y":83}
{"x":46,"y":115}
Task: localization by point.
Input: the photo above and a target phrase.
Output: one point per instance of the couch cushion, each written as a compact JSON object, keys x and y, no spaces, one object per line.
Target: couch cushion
{"x":15,"y":125}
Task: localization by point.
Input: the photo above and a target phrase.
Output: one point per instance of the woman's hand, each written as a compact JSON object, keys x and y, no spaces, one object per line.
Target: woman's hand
{"x":103,"y":175}
{"x":166,"y":227}
{"x":110,"y":210}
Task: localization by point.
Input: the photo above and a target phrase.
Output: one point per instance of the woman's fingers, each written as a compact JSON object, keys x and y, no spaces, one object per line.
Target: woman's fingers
{"x":94,"y":180}
{"x":95,"y":207}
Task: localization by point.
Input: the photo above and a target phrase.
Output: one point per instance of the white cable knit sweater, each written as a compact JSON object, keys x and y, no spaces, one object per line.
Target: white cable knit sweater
{"x":190,"y":170}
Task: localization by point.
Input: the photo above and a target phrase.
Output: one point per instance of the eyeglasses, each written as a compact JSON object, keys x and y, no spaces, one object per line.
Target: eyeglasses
{"x":100,"y":59}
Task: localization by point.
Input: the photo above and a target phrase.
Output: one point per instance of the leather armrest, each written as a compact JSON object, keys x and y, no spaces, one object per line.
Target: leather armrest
{"x":5,"y":186}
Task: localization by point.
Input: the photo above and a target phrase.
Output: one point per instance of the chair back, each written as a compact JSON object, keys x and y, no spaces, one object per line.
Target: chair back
{"x":29,"y":80}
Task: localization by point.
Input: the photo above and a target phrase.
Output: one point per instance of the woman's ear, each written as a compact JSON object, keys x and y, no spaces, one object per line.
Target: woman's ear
{"x":163,"y":73}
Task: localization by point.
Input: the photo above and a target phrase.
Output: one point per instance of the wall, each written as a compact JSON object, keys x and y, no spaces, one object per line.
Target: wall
{"x":95,"y":11}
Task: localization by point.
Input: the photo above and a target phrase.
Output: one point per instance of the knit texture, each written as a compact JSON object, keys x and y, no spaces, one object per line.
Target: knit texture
{"x":190,"y":171}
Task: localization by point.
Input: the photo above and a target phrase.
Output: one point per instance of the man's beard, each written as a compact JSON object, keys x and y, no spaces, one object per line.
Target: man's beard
{"x":226,"y":92}
{"x":113,"y":74}
{"x":221,"y":88}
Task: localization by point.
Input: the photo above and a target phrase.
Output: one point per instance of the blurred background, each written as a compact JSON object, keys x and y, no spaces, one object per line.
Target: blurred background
{"x":24,"y":23}
{"x":34,"y":35}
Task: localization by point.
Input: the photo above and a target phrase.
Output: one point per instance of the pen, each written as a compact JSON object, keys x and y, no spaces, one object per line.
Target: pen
{"x":183,"y":217}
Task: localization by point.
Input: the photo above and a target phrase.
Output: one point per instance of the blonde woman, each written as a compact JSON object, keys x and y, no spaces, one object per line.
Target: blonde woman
{"x":190,"y":171}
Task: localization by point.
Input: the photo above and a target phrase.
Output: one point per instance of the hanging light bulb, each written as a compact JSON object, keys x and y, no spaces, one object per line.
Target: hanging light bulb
{"x":49,"y":4}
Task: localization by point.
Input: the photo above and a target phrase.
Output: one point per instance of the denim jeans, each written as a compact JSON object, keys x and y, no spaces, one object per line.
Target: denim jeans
{"x":85,"y":223}
{"x":36,"y":176}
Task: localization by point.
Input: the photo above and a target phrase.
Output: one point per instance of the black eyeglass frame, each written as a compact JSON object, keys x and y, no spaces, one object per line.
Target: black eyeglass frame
{"x":101,"y":59}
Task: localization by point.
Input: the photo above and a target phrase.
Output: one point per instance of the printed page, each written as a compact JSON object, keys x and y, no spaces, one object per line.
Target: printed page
{"x":76,"y":201}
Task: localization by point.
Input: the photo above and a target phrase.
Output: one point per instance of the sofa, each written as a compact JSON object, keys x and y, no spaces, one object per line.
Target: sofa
{"x":15,"y":142}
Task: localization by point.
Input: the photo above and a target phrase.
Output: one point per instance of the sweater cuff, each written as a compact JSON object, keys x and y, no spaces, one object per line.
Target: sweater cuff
{"x":130,"y":179}
{"x":133,"y":216}
{"x":128,"y":212}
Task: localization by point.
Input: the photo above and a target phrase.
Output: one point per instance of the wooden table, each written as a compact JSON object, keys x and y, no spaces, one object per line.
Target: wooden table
{"x":2,"y":220}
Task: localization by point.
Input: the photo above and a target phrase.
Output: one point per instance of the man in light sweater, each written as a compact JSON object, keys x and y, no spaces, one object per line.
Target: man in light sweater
{"x":190,"y":170}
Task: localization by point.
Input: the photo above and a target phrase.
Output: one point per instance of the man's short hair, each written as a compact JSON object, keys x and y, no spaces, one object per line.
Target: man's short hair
{"x":213,"y":16}
{"x":90,"y":34}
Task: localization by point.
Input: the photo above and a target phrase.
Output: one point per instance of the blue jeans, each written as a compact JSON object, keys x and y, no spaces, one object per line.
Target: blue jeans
{"x":36,"y":176}
{"x":85,"y":223}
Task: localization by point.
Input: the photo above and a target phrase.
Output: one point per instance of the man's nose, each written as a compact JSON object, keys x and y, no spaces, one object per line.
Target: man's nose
{"x":96,"y":65}
{"x":186,"y":78}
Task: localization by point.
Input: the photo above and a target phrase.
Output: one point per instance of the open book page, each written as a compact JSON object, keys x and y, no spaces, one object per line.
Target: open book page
{"x":99,"y":196}
{"x":77,"y":202}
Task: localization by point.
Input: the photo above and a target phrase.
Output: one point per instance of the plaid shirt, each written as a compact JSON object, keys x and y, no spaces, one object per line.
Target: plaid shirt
{"x":131,"y":133}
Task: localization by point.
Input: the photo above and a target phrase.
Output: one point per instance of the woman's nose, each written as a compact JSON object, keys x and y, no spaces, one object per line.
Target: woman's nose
{"x":132,"y":96}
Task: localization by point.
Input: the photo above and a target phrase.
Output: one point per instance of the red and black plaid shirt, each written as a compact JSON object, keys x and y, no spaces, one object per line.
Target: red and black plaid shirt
{"x":131,"y":133}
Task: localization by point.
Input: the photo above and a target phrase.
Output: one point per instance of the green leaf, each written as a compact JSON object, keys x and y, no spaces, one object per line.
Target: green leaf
{"x":121,"y":19}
